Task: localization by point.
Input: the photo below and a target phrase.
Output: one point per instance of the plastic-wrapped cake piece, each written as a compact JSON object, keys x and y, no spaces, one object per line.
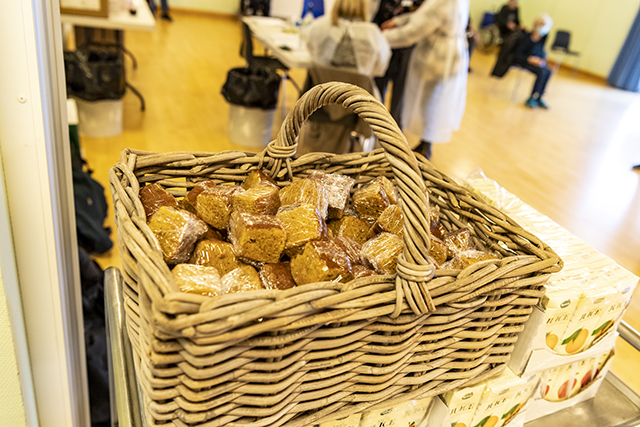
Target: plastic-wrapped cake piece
{"x":259,"y":199}
{"x":257,"y":177}
{"x":352,"y":248}
{"x":438,"y":250}
{"x":177,"y":232}
{"x":257,"y":237}
{"x":215,"y":253}
{"x":306,"y":191}
{"x":214,"y":203}
{"x":303,"y":224}
{"x":242,"y":279}
{"x":321,"y":261}
{"x":198,"y":279}
{"x":277,"y":276}
{"x":371,"y":200}
{"x":390,"y":221}
{"x":389,"y":188}
{"x":360,"y":271}
{"x":185,"y":205}
{"x":464,"y":259}
{"x":351,"y":227}
{"x":338,"y":189}
{"x":153,"y":196}
{"x":457,"y":241}
{"x":381,"y":252}
{"x":212,"y":234}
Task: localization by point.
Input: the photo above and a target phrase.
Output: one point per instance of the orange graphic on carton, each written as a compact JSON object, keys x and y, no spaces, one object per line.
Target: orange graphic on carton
{"x":463,"y":404}
{"x":584,"y":321}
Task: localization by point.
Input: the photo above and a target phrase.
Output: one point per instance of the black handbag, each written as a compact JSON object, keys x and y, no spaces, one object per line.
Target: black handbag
{"x":95,"y":72}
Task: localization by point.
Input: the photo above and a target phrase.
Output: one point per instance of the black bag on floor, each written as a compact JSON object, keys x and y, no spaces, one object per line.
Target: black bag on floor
{"x":91,"y":212}
{"x":252,"y":87}
{"x":95,"y":72}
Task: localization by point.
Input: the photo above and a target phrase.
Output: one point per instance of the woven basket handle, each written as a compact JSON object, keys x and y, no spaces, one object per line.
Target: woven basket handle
{"x":414,"y":269}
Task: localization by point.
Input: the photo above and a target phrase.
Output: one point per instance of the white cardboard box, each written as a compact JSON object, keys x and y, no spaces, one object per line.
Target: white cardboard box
{"x":531,"y":353}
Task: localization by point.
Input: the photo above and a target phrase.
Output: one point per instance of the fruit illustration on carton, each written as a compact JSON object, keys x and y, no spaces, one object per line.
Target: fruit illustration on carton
{"x":462,"y":404}
{"x":559,"y":304}
{"x":585,"y":319}
{"x":576,"y":340}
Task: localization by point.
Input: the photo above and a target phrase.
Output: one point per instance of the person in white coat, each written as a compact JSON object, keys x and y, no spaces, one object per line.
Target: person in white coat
{"x":436,"y":88}
{"x":346,"y":39}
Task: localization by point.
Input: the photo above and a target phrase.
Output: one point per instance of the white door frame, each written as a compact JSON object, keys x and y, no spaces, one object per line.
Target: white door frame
{"x":34,"y":141}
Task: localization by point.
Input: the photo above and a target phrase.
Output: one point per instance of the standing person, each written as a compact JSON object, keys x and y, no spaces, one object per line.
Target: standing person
{"x":530,"y":55}
{"x":397,"y":70}
{"x":508,"y":19}
{"x":436,"y":88}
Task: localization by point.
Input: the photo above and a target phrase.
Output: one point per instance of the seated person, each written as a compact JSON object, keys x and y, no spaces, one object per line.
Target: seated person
{"x":508,"y":19}
{"x":343,"y":47}
{"x":530,"y":55}
{"x":345,"y":39}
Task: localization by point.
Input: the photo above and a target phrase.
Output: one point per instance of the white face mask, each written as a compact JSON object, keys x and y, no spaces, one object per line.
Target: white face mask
{"x":543,"y":31}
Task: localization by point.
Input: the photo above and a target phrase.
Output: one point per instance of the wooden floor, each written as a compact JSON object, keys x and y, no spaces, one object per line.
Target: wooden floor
{"x":571,"y":163}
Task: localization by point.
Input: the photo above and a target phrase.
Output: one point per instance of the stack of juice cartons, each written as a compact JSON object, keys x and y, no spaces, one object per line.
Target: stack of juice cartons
{"x":492,"y":403}
{"x":570,"y":337}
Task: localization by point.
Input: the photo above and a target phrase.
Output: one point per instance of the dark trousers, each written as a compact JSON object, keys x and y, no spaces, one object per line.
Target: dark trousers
{"x":542,"y":76}
{"x":396,"y":72}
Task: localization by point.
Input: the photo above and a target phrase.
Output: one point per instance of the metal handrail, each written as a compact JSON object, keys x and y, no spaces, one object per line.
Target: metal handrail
{"x":629,"y":334}
{"x":123,"y":391}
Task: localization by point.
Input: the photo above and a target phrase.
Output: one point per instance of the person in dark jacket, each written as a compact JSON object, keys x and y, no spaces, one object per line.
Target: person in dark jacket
{"x":508,"y":19}
{"x":530,"y":55}
{"x":397,"y":70}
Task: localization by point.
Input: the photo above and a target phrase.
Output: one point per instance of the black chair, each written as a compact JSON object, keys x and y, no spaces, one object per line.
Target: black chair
{"x":265,"y":62}
{"x":561,"y":47}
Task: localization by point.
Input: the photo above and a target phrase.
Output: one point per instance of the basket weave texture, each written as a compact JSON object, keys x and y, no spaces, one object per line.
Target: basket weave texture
{"x":320,"y":351}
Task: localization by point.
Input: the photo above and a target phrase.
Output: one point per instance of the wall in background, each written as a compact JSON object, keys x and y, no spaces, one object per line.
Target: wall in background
{"x":230,"y":7}
{"x":598,"y":27}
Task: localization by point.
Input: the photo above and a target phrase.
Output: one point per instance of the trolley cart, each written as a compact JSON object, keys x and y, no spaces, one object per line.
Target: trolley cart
{"x":615,"y":405}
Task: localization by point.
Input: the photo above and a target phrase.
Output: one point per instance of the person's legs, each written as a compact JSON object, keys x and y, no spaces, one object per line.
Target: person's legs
{"x":424,"y":148}
{"x":541,"y":84}
{"x":542,"y":76}
{"x":165,"y":10}
{"x":399,"y":78}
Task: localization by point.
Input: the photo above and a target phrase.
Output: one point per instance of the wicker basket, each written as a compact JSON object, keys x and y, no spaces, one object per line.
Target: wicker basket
{"x":320,"y":351}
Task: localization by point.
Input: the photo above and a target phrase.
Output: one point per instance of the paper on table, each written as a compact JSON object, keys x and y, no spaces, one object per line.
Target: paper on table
{"x":292,"y":41}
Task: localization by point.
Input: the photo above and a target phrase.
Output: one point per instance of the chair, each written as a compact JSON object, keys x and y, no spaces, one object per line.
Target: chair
{"x":561,"y":47}
{"x":334,"y":128}
{"x":265,"y":61}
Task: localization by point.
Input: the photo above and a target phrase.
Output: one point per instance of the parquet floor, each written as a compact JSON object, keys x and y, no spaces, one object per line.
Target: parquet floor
{"x":571,"y":163}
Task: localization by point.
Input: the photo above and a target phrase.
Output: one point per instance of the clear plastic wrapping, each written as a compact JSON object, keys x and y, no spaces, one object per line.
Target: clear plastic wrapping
{"x":257,"y":237}
{"x":360,"y":271}
{"x":457,"y":241}
{"x":260,"y":199}
{"x":306,"y":191}
{"x":338,"y":189}
{"x":321,"y":261}
{"x":435,"y":226}
{"x":438,"y":251}
{"x":303,"y":224}
{"x":215,"y":204}
{"x":257,"y":177}
{"x":352,"y":248}
{"x":192,"y":195}
{"x":390,"y":221}
{"x":198,"y":279}
{"x":177,"y":232}
{"x":215,"y":253}
{"x":277,"y":276}
{"x":464,"y":259}
{"x":381,"y":252}
{"x":153,"y":196}
{"x":185,"y":205}
{"x":213,"y":234}
{"x":242,"y":279}
{"x":371,"y":200}
{"x":351,"y":227}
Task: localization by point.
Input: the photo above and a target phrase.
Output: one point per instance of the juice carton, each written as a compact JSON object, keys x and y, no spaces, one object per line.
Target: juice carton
{"x":558,"y":382}
{"x":350,"y":421}
{"x":584,"y":372}
{"x":495,"y":399}
{"x":584,"y":321}
{"x":407,"y":414}
{"x":524,"y":392}
{"x":463,"y":404}
{"x":559,"y":304}
{"x":618,"y":301}
{"x":602,"y":360}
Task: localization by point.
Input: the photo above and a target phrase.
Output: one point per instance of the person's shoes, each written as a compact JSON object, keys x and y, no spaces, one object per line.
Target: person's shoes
{"x":424,"y":148}
{"x":166,"y":17}
{"x":532,"y":103}
{"x":542,"y":104}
